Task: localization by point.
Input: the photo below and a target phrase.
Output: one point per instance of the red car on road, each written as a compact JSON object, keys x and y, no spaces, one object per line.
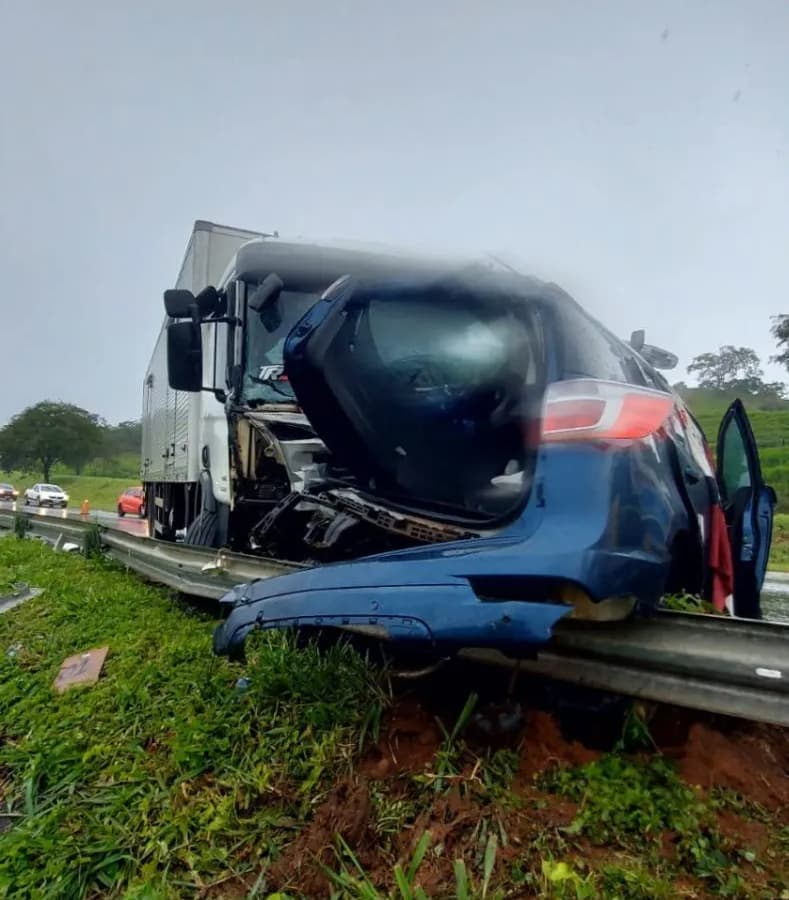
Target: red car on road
{"x":132,"y":501}
{"x":8,"y":492}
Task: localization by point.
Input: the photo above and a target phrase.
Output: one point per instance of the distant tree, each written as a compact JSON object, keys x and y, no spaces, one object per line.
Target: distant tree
{"x":125,"y":437}
{"x":780,"y":331}
{"x":48,"y":433}
{"x":731,"y":368}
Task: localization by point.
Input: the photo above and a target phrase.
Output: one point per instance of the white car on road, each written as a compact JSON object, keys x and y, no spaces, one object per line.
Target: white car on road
{"x":46,"y":495}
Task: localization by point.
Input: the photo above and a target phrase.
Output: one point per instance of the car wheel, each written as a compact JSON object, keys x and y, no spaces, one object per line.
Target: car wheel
{"x":121,"y":513}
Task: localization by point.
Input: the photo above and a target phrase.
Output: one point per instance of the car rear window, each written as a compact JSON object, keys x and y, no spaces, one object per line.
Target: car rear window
{"x":445,"y":387}
{"x":590,"y":351}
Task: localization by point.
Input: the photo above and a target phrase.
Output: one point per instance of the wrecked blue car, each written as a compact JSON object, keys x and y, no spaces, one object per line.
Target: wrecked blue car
{"x":463,"y":458}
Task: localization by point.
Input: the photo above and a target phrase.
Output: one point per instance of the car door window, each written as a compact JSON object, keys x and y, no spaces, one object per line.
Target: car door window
{"x":734,"y":464}
{"x":748,"y":505}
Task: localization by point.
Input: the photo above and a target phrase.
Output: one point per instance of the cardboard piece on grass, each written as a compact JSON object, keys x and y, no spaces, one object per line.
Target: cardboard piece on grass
{"x":84,"y":668}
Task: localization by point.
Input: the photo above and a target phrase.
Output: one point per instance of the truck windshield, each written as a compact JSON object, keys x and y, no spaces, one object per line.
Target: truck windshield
{"x":264,"y":381}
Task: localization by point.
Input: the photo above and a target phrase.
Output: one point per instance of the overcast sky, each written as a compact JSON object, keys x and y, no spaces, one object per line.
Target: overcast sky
{"x":635,"y":152}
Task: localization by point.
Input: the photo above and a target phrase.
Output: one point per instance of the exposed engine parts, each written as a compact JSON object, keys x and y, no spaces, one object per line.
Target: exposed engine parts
{"x":296,"y":504}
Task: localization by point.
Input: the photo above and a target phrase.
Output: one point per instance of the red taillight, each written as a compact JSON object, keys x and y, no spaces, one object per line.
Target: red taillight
{"x":589,"y":410}
{"x":570,"y":415}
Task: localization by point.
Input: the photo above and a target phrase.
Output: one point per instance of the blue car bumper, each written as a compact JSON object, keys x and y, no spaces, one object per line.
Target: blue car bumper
{"x":440,"y":616}
{"x":447,"y":599}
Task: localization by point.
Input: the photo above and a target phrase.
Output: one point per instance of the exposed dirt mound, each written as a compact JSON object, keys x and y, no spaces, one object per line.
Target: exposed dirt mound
{"x":743,"y":832}
{"x":544,"y":745}
{"x":345,"y":811}
{"x":752,"y":760}
{"x":409,"y":739}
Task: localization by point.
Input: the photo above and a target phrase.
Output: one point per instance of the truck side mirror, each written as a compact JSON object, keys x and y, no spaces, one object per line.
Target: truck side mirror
{"x":178,"y":303}
{"x":184,"y":356}
{"x":264,"y":301}
{"x":182,"y":304}
{"x":637,"y":339}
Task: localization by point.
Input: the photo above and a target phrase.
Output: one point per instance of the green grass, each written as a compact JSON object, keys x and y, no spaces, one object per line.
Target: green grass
{"x":162,"y":778}
{"x":632,"y":803}
{"x":770,"y":428}
{"x":101,"y":492}
{"x":166,"y":779}
{"x":779,"y":549}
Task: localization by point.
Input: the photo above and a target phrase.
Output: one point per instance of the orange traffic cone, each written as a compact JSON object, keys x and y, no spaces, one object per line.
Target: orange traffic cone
{"x":84,"y":509}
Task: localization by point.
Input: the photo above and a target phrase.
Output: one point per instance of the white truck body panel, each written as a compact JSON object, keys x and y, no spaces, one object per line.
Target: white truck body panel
{"x":176,"y":424}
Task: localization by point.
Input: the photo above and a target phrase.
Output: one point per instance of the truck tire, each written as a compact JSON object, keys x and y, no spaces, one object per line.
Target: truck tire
{"x":204,"y":530}
{"x":209,"y":529}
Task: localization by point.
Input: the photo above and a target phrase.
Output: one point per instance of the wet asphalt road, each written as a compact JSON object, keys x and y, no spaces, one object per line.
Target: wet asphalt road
{"x":129,"y":524}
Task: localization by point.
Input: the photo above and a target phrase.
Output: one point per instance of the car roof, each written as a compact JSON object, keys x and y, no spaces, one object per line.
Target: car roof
{"x":308,"y":266}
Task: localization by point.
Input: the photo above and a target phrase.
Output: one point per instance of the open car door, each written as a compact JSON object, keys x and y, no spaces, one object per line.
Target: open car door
{"x":748,"y":506}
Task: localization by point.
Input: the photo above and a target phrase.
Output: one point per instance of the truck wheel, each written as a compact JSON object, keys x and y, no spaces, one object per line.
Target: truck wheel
{"x":203,"y":531}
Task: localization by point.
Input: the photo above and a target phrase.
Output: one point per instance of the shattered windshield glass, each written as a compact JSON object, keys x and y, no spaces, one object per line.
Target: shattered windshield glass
{"x":264,"y":381}
{"x":431,"y":395}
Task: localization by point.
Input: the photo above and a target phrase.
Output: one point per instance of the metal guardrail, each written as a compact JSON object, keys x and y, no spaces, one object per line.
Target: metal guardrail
{"x":50,"y":527}
{"x":735,"y":667}
{"x":197,"y":571}
{"x":191,"y":570}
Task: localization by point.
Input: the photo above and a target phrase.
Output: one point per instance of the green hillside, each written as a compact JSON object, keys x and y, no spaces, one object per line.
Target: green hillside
{"x":770,"y":427}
